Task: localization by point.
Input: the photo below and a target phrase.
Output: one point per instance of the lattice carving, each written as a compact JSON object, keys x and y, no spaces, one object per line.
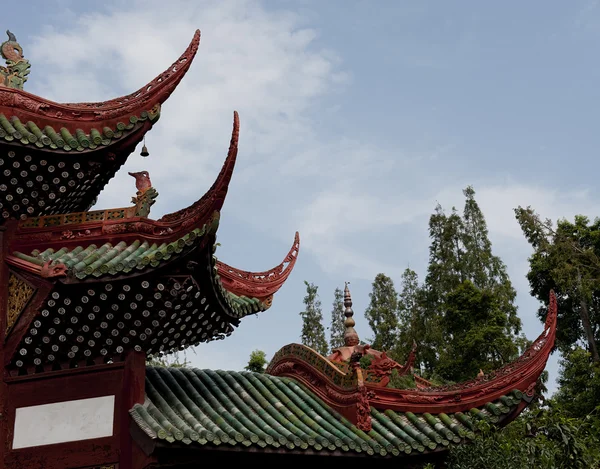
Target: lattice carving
{"x":143,"y":200}
{"x":104,"y":466}
{"x":19,"y":294}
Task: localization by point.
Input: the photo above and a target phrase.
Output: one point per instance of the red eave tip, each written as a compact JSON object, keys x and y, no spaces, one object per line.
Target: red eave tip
{"x":261,"y":285}
{"x":85,"y":116}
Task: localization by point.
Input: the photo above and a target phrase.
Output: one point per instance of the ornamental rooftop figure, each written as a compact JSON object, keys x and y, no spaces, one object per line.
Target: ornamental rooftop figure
{"x":380,"y":367}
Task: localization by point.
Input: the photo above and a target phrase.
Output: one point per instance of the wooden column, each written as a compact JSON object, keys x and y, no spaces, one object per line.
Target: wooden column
{"x":134,"y":375}
{"x":3,"y":321}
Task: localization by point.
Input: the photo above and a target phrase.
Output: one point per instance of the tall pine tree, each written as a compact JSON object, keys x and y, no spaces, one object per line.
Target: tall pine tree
{"x":410,"y":320}
{"x":336,"y":329}
{"x":313,"y":332}
{"x":445,"y":271}
{"x":381,"y":313}
{"x":566,"y":259}
{"x":485,"y":270}
{"x":466,"y":284}
{"x":476,"y":329}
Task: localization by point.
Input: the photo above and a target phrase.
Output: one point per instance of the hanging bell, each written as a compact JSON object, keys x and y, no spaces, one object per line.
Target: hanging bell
{"x":144,"y":151}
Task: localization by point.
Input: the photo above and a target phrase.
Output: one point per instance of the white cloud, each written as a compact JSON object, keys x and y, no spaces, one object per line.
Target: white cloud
{"x":264,"y":64}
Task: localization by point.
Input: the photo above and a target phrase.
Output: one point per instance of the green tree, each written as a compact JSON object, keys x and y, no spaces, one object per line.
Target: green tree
{"x":475,"y":326}
{"x":446,"y":255}
{"x":381,"y":313}
{"x":545,"y":438}
{"x":313,"y":332}
{"x":462,"y":273}
{"x":579,"y":384}
{"x":257,"y":362}
{"x":483,"y":268}
{"x":336,"y":329}
{"x":566,"y":259}
{"x":172,"y":360}
{"x":410,"y":319}
{"x":444,"y":273}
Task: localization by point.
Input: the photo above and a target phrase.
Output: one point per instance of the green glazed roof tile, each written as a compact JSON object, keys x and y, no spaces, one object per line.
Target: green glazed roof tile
{"x":28,"y":133}
{"x":205,"y":407}
{"x":95,"y":261}
{"x":241,"y":305}
{"x":106,"y":259}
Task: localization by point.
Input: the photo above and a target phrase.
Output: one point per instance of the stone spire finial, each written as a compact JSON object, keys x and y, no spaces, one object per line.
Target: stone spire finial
{"x":350,"y":335}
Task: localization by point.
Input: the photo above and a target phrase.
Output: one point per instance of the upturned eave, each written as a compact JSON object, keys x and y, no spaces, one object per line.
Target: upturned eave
{"x":27,"y":107}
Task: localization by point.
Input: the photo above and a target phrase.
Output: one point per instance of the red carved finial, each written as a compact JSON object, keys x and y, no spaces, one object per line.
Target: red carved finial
{"x":142,"y":180}
{"x":552,"y":310}
{"x":350,"y":335}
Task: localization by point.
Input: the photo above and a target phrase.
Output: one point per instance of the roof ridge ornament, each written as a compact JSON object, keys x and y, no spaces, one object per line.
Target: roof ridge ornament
{"x":146,"y":194}
{"x":350,"y":335}
{"x":14,"y":75}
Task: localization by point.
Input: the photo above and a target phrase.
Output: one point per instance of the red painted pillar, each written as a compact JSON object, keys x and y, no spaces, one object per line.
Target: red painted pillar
{"x":134,"y":375}
{"x":3,"y":321}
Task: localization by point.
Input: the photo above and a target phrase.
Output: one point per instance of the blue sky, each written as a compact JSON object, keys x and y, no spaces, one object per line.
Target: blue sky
{"x":357,"y":117}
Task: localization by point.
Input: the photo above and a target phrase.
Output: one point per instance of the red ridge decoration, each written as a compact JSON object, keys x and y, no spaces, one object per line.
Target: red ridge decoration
{"x":85,"y":116}
{"x":379,"y":371}
{"x":363,"y":410}
{"x":52,"y":270}
{"x":421,"y":383}
{"x":262,"y":285}
{"x":340,"y":386}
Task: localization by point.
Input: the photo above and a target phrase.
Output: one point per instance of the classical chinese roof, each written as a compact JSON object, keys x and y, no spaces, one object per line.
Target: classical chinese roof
{"x":225,"y":409}
{"x":339,"y":385}
{"x":58,"y":157}
{"x":307,"y":404}
{"x":116,"y":280}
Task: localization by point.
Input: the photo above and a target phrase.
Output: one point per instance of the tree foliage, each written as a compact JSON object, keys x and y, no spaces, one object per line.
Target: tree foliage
{"x":381,"y":313}
{"x":475,"y":326}
{"x":466,"y":285}
{"x":172,"y":360}
{"x":257,"y":362}
{"x":543,"y":438}
{"x":566,"y":259}
{"x":313,"y":332}
{"x":485,"y":270}
{"x":411,"y":327}
{"x":579,"y":384}
{"x":336,"y":328}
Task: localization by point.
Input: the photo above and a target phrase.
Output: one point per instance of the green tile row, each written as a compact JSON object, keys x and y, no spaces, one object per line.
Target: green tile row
{"x":109,"y":259}
{"x":205,"y":407}
{"x":29,"y":133}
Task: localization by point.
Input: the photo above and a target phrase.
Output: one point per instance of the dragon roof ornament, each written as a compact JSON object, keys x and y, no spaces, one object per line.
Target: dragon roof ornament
{"x":381,"y":366}
{"x":14,"y":75}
